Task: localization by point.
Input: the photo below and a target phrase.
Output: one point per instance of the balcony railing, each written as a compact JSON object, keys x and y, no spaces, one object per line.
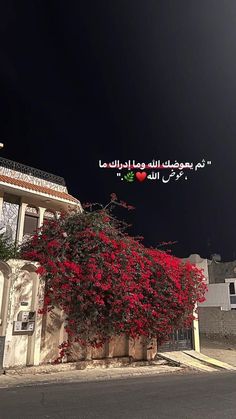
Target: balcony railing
{"x":19,"y":167}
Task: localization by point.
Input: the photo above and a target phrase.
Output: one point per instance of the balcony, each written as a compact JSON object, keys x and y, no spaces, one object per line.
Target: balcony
{"x":28,"y":170}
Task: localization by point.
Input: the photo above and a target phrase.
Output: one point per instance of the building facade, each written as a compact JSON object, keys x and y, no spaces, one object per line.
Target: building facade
{"x":217,"y":314}
{"x":221,"y":280}
{"x":224,"y":273}
{"x":28,"y":196}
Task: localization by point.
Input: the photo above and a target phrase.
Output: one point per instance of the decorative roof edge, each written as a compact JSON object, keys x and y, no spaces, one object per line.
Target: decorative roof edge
{"x":44,"y":191}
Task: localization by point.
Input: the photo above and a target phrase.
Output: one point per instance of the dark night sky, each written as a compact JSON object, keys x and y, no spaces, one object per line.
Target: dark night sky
{"x":84,"y":81}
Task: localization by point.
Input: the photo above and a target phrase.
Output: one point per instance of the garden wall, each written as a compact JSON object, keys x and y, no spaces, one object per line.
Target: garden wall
{"x":53,"y":334}
{"x":214,"y":321}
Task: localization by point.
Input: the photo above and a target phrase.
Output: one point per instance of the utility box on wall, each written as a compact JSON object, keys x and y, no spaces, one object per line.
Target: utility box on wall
{"x":25,"y":323}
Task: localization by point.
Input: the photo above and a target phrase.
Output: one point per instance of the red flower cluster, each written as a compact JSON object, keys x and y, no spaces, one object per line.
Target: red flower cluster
{"x":108,"y":283}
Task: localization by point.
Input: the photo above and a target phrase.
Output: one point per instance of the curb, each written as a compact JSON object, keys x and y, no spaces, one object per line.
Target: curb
{"x":210,"y":361}
{"x":86,"y":376}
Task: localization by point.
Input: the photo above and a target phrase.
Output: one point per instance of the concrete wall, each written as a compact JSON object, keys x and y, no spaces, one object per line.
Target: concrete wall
{"x":53,"y":334}
{"x":214,"y":321}
{"x":218,"y":271}
{"x":217,"y":296}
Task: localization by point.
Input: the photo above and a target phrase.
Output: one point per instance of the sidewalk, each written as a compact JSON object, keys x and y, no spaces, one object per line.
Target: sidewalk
{"x":16,"y":378}
{"x":187,"y":360}
{"x":122,"y":368}
{"x":224,"y":350}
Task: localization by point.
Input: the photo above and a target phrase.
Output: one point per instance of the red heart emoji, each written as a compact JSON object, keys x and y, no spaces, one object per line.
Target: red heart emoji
{"x":141,"y":176}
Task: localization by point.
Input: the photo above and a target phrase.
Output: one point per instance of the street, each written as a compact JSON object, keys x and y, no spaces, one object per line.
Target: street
{"x":179,"y":396}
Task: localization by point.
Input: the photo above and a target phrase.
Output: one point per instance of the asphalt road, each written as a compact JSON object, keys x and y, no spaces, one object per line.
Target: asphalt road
{"x":185,"y":396}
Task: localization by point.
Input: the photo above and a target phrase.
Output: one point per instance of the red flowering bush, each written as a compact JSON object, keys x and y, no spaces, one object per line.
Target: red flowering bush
{"x":109,"y":283}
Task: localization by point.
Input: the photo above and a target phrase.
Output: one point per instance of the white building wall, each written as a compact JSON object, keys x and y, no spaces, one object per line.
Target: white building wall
{"x":217,"y":296}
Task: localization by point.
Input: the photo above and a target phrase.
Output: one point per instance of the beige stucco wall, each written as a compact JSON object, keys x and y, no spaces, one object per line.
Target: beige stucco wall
{"x":120,"y":346}
{"x":53,"y":334}
{"x":25,"y":287}
{"x":42,"y":346}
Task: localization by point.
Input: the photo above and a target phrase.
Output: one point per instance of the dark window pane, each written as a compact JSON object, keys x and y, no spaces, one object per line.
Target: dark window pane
{"x":31,"y":224}
{"x":231,"y":288}
{"x":233,"y":299}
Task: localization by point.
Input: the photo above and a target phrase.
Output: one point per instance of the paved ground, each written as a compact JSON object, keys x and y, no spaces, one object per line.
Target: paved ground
{"x":96,"y":374}
{"x":179,"y":396}
{"x":223,"y":350}
{"x":196,"y":360}
{"x":69,"y":372}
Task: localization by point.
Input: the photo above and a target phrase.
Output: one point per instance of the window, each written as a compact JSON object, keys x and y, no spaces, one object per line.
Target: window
{"x":31,"y":221}
{"x":232,"y":288}
{"x":49,"y":215}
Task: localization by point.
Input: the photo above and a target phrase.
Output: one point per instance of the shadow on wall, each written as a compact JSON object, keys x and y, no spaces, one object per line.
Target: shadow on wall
{"x":52,"y":335}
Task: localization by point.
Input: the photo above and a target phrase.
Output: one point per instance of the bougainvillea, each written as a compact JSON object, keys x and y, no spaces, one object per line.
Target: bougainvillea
{"x":109,"y":283}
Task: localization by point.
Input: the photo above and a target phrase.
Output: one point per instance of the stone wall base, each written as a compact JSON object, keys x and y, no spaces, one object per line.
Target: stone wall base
{"x":81,"y":365}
